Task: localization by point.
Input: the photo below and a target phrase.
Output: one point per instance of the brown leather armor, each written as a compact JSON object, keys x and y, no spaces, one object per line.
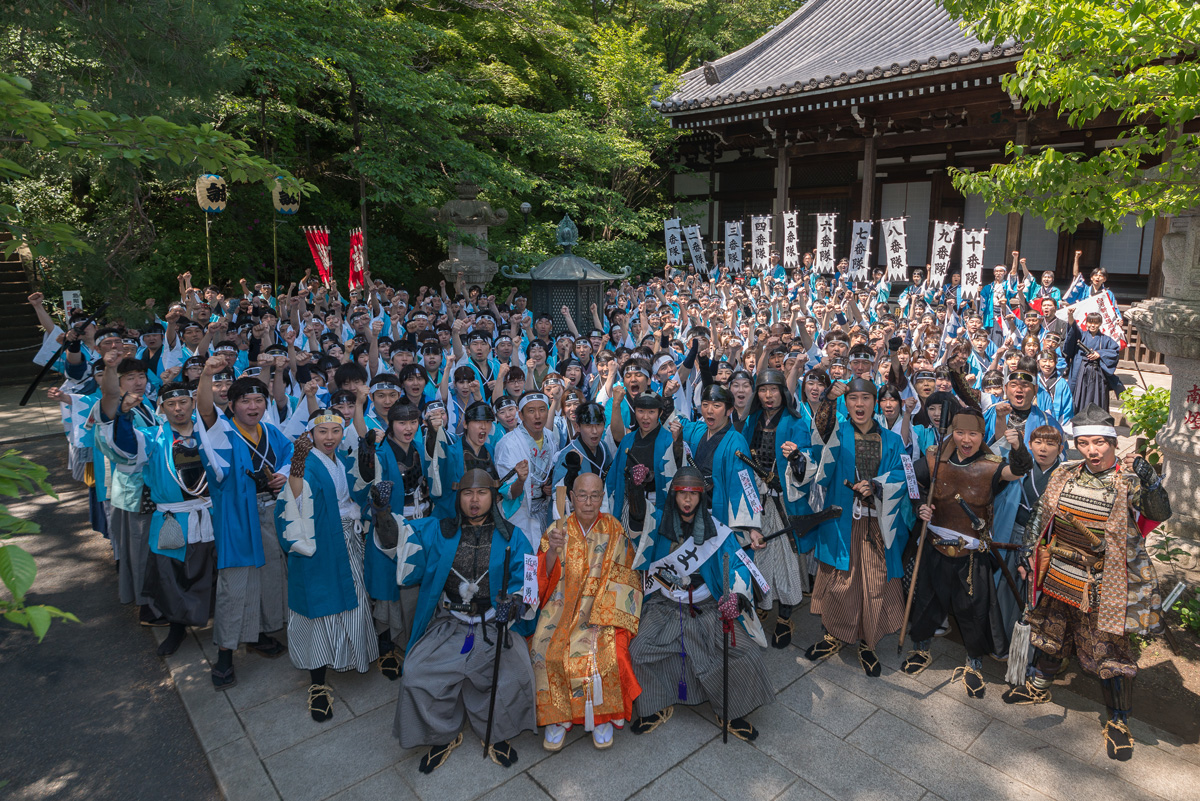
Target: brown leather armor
{"x":974,"y":483}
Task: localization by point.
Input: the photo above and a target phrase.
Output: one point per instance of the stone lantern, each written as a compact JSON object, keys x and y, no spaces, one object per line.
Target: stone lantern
{"x":566,"y":280}
{"x":469,"y":218}
{"x":1169,"y":325}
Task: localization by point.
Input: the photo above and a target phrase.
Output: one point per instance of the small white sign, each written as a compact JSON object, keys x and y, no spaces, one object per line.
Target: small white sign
{"x":530,"y":581}
{"x":72,"y":301}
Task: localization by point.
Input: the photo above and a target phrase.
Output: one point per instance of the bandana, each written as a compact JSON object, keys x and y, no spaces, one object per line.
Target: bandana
{"x":181,"y":392}
{"x":326,"y":416}
{"x":378,"y":385}
{"x":532,"y":397}
{"x":1094,"y":431}
{"x":1019,"y":375}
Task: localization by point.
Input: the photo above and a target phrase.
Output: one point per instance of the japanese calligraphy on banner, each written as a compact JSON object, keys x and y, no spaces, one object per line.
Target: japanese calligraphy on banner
{"x":760,"y":242}
{"x":733,"y":246}
{"x":674,"y":241}
{"x":943,"y":246}
{"x":1110,"y":323}
{"x":895,"y":244}
{"x":972,"y":262}
{"x":695,"y":244}
{"x":318,"y":243}
{"x":791,"y":240}
{"x":357,"y":262}
{"x":860,"y":250}
{"x":825,"y":241}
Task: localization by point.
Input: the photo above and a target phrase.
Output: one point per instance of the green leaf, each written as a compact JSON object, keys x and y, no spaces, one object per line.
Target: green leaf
{"x":17,"y":570}
{"x":39,"y":620}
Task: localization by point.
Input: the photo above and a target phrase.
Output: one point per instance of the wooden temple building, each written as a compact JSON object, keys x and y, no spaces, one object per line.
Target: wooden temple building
{"x":858,"y":107}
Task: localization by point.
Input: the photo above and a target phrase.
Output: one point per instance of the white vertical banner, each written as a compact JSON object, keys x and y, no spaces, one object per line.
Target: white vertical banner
{"x":760,"y":242}
{"x":733,"y":246}
{"x":972,"y":262}
{"x":826,"y":235}
{"x":791,"y":240}
{"x":72,"y":301}
{"x":895,"y":245}
{"x":674,"y":241}
{"x":695,"y":245}
{"x":943,"y":245}
{"x":860,"y":250}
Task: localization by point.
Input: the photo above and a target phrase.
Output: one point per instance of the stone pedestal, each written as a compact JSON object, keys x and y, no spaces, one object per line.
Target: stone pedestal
{"x":469,"y":219}
{"x":1171,"y":325}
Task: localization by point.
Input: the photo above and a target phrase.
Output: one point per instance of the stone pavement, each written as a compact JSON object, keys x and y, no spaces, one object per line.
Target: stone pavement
{"x":832,"y":734}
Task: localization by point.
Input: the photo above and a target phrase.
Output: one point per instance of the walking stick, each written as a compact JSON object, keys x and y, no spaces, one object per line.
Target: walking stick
{"x":501,"y":626}
{"x":942,"y":423}
{"x":725,"y":627}
{"x":46,"y":367}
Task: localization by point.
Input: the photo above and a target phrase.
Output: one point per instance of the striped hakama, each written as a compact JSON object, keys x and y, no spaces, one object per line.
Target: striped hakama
{"x":859,"y":603}
{"x":253,"y":600}
{"x":658,"y":666}
{"x":344,"y":640}
{"x":441,"y":685}
{"x":131,"y":545}
{"x":395,"y":618}
{"x":781,"y":566}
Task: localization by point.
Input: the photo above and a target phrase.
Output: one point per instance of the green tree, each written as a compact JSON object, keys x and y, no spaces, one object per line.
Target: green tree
{"x":1134,"y":62}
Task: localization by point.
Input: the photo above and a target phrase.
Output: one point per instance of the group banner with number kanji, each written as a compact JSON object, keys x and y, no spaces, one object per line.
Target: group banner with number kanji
{"x":895,"y":244}
{"x":943,"y":246}
{"x":733,"y":246}
{"x":791,"y":240}
{"x":356,"y":258}
{"x":318,"y":242}
{"x":695,"y":245}
{"x":972,"y":262}
{"x":860,"y":250}
{"x":760,"y":242}
{"x":674,"y":241}
{"x":826,"y":237}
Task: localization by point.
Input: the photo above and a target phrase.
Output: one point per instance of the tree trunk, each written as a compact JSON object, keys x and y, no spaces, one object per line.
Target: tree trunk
{"x":356,"y":118}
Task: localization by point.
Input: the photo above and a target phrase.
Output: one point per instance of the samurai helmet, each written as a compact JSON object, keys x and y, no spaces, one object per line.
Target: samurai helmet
{"x":687,"y":479}
{"x":474,"y":479}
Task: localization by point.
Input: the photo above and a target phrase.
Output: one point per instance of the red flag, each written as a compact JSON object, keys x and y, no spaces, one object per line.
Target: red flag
{"x":318,"y":243}
{"x":356,"y":258}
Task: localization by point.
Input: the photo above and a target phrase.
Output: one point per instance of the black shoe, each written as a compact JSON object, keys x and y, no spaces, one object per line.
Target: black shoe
{"x":389,"y":665}
{"x":1025,"y":694}
{"x":783,"y":633}
{"x":1118,"y":741}
{"x":320,"y":702}
{"x":267,"y":646}
{"x":147,"y":618}
{"x":223,"y":679}
{"x":826,"y":646}
{"x":972,"y":679}
{"x":438,"y":755}
{"x":869,"y":661}
{"x":651,"y":722}
{"x":172,"y":642}
{"x":503,"y":754}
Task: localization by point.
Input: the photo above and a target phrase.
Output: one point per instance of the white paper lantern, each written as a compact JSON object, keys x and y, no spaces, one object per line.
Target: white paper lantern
{"x":212,"y":193}
{"x":285,"y":202}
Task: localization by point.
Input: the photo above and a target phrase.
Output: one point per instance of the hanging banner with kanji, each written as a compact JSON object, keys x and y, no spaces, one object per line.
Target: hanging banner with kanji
{"x":791,"y":240}
{"x":1102,"y":304}
{"x":695,"y":244}
{"x":943,"y":246}
{"x":356,"y":258}
{"x":972,"y":262}
{"x":860,"y":250}
{"x":733,"y":246}
{"x":674,"y":240}
{"x":318,"y":242}
{"x":760,"y":242}
{"x":895,"y":246}
{"x":825,"y":242}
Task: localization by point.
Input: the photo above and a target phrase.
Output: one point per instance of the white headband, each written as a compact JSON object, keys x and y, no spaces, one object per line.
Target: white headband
{"x":1094,"y":431}
{"x":532,"y":397}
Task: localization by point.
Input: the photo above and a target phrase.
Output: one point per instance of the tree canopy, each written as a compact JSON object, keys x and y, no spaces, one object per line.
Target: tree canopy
{"x":1132,"y":62}
{"x":374,"y":108}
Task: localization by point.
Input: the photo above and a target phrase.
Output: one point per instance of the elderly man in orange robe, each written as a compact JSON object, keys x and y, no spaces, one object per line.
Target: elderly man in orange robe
{"x":591,"y":599}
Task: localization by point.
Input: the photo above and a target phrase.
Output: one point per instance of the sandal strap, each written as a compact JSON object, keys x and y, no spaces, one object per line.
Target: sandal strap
{"x":497,"y":750}
{"x":438,"y":755}
{"x":319,"y":691}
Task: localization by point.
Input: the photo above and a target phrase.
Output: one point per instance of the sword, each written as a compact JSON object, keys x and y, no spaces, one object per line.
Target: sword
{"x":980,"y":525}
{"x":799,"y":525}
{"x":501,"y":626}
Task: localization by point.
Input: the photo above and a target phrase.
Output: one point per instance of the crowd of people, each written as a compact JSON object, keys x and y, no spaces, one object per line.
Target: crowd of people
{"x":536,"y":530}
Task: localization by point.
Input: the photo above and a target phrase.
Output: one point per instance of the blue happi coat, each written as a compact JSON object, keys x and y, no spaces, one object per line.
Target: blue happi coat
{"x":732,"y":504}
{"x":664,"y":468}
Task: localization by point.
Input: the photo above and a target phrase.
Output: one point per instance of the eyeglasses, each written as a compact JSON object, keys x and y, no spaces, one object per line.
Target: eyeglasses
{"x":588,"y":496}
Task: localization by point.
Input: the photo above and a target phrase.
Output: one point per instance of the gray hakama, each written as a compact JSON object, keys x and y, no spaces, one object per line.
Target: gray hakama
{"x":395,"y":618}
{"x":253,"y":600}
{"x":130,"y":533}
{"x":184,"y":592}
{"x":655,"y":653}
{"x":781,"y":566}
{"x":1005,"y":608}
{"x":441,"y":686}
{"x":344,"y":640}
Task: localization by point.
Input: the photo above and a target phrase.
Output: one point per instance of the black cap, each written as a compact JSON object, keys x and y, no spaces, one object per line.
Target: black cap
{"x":647,"y":400}
{"x":717,"y":394}
{"x":590,"y":414}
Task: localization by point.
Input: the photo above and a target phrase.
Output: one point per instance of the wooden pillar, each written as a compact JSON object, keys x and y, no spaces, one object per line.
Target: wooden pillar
{"x":868,"y":179}
{"x":1161,"y":226}
{"x":781,"y":192}
{"x":1012,"y":240}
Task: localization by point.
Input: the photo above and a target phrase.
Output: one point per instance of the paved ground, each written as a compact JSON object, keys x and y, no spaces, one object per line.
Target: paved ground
{"x":89,"y":714}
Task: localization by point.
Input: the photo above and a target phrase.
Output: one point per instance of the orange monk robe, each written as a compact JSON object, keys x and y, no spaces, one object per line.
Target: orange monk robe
{"x":590,"y":605}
